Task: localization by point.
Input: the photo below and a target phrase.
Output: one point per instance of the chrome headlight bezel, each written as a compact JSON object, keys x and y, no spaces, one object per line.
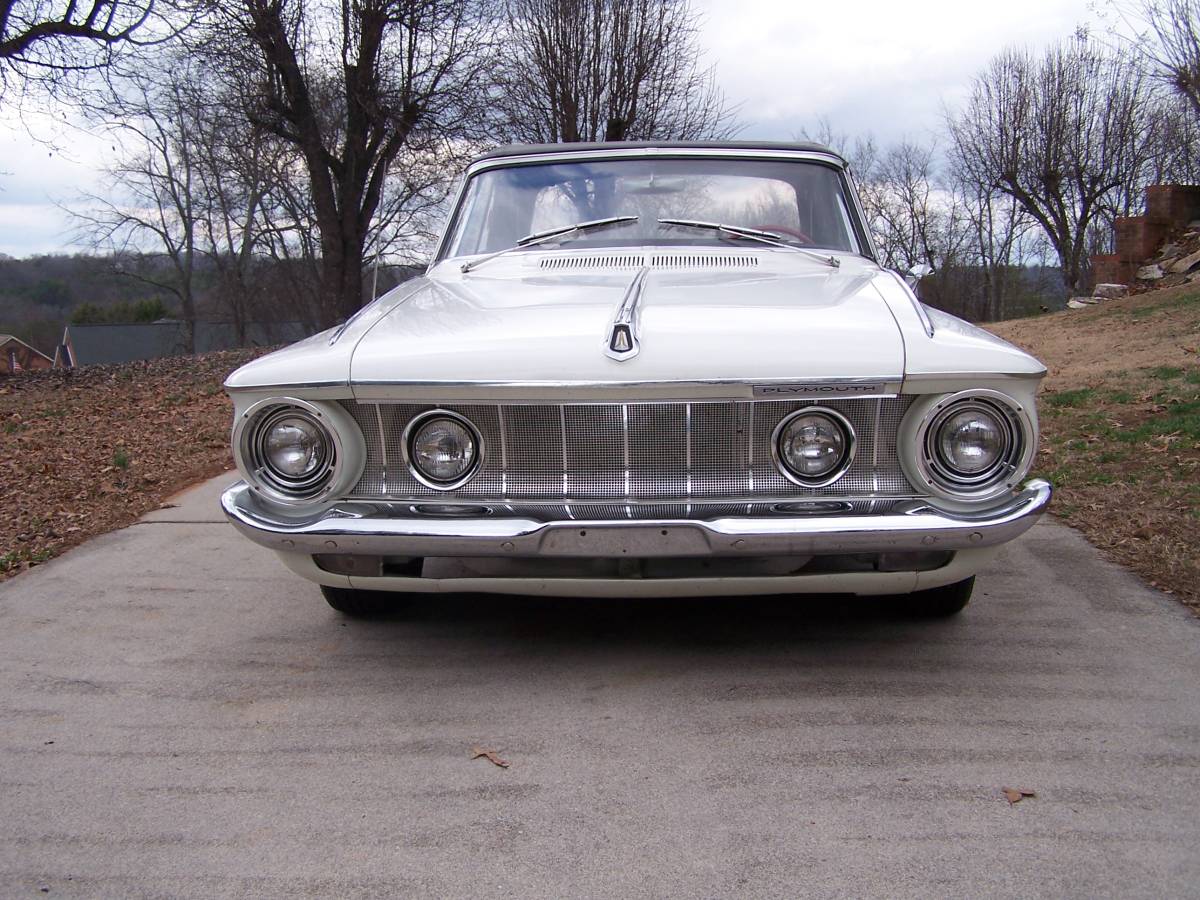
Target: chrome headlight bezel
{"x":930,"y":471}
{"x":342,"y":459}
{"x":420,"y":421}
{"x":850,"y":444}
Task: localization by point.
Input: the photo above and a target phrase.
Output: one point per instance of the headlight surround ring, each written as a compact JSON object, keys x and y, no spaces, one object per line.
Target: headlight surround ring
{"x":849,"y":446}
{"x":939,"y":474}
{"x":413,"y":429}
{"x":339,"y":460}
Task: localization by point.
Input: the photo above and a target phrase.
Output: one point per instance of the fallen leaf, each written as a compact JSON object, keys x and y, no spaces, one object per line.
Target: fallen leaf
{"x":1016,"y":795}
{"x":490,"y":755}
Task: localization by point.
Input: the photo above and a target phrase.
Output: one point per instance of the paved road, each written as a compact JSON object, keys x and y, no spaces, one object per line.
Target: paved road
{"x":181,"y":716}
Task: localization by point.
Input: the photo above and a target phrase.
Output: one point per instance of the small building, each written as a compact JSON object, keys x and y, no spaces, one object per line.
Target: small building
{"x":95,"y":345}
{"x":16,"y":356}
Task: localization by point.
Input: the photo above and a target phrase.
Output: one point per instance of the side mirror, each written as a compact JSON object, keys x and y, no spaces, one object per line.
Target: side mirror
{"x":916,"y":273}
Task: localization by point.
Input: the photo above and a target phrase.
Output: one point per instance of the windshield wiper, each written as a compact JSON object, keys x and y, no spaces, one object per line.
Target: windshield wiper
{"x":754,"y":234}
{"x":541,"y":237}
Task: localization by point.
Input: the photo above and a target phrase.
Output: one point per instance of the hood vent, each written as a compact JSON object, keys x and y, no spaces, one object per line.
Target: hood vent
{"x":611,"y":261}
{"x":702,"y":261}
{"x":656,"y":261}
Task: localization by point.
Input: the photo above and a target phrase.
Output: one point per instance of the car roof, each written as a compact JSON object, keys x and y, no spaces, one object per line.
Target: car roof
{"x":537,"y":149}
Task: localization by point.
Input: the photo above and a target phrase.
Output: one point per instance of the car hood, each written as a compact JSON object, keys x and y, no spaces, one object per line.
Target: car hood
{"x":789,"y":319}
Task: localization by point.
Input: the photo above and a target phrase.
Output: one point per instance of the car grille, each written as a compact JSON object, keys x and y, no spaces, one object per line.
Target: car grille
{"x":641,"y":460}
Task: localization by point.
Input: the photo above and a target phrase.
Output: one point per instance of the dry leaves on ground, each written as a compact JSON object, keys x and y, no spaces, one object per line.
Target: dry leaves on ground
{"x":1016,"y":795}
{"x":90,"y":450}
{"x":490,"y":755}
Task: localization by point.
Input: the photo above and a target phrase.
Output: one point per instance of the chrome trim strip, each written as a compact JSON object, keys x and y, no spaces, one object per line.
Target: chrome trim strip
{"x":562,"y":423}
{"x":503,"y":455}
{"x":970,"y":376}
{"x":382,"y":443}
{"x":352,"y":529}
{"x":625,"y":437}
{"x":299,"y":385}
{"x":688,"y":441}
{"x":558,"y":500}
{"x":750,"y":454}
{"x":627,"y":320}
{"x":875,"y":451}
{"x":503,"y":162}
{"x":889,"y":383}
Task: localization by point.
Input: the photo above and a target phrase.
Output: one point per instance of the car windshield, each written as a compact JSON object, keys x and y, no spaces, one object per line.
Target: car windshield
{"x":801,"y":201}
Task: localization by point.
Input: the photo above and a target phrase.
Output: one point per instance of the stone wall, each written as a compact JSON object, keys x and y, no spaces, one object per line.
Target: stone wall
{"x":1136,"y":239}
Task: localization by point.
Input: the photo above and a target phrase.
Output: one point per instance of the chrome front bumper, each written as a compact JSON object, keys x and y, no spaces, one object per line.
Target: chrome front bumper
{"x":379,"y":529}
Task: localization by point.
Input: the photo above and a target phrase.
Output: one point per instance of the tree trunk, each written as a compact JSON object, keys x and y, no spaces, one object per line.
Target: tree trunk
{"x":341,"y":273}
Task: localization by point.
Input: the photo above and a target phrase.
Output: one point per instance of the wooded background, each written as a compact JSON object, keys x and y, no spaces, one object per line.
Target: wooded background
{"x":287,"y":159}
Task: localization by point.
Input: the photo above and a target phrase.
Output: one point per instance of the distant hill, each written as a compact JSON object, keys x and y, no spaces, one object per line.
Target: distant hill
{"x":38,"y":295}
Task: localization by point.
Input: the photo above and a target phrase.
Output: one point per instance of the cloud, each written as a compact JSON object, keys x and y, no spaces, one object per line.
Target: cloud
{"x":884,"y":67}
{"x":39,"y":171}
{"x":873,"y":66}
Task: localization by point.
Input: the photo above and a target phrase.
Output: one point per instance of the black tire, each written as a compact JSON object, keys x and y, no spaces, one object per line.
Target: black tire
{"x":941,"y":602}
{"x":362,"y":604}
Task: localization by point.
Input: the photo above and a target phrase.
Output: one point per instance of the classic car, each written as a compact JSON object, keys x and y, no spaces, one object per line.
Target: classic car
{"x":643,"y":369}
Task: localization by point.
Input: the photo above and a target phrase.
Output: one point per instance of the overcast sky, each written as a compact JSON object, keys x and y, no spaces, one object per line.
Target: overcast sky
{"x":874,"y":65}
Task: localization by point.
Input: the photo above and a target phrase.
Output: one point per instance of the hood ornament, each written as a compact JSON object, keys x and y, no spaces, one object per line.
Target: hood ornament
{"x":624,"y":334}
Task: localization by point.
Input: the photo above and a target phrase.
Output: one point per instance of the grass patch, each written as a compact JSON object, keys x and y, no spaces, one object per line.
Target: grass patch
{"x":1166,"y":373}
{"x":1069,"y":399}
{"x":16,"y":559}
{"x":1124,"y":458}
{"x":121,"y":458}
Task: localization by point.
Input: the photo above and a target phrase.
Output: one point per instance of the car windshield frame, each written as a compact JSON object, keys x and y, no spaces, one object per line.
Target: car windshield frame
{"x":851,"y":207}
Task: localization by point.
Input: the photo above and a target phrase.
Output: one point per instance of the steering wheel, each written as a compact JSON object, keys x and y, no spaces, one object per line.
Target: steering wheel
{"x":783,"y":229}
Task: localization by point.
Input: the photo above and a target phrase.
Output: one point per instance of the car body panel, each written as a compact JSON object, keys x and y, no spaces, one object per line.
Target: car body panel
{"x":731,"y":321}
{"x":791,"y":319}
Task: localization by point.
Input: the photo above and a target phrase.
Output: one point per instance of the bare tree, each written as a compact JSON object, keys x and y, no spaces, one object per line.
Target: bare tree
{"x":914,"y":220}
{"x":606,"y":70}
{"x":188,"y":183}
{"x":351,"y":86}
{"x":1177,"y":129}
{"x":401,"y":231}
{"x":1167,"y":42}
{"x":44,"y":40}
{"x":156,"y":199}
{"x":1062,"y":135}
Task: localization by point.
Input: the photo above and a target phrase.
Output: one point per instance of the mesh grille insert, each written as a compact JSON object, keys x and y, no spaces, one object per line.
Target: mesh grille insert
{"x":620,"y":459}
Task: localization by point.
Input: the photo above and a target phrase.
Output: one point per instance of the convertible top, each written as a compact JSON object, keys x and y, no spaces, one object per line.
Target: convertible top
{"x":535,"y":149}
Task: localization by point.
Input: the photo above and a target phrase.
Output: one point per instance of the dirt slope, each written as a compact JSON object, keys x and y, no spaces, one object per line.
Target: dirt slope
{"x":88,"y":451}
{"x":1120,"y":414}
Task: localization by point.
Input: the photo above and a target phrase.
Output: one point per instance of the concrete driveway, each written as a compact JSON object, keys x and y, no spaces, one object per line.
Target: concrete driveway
{"x":179,"y":715}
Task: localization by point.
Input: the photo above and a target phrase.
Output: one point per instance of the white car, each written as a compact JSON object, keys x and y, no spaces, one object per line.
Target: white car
{"x":642,"y":369}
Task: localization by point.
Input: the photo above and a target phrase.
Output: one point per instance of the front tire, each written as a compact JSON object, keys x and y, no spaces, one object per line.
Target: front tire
{"x":941,"y":602}
{"x":362,"y":604}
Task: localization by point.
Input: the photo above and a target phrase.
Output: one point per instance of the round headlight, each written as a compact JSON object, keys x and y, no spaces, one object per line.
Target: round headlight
{"x":295,"y":447}
{"x":290,"y":452}
{"x":971,"y":441}
{"x":814,"y":446}
{"x":443,"y":449}
{"x":974,"y":445}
